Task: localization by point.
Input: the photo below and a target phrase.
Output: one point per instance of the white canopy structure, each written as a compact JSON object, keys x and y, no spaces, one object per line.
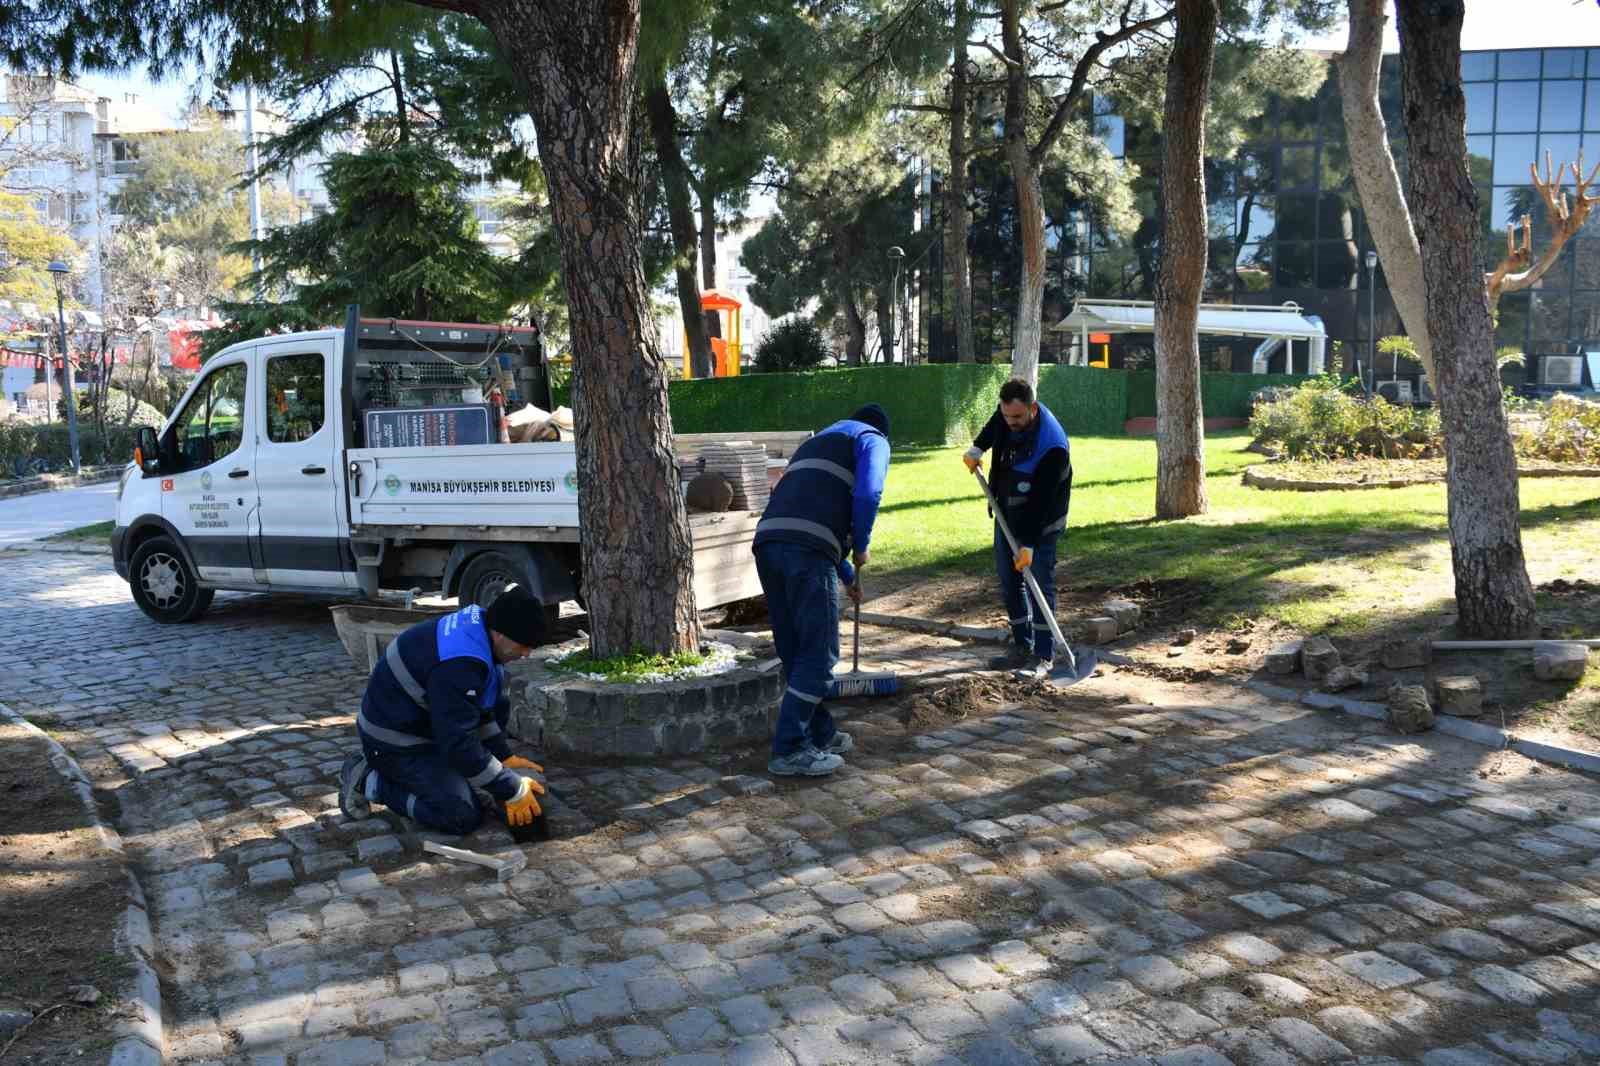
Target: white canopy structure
{"x":1279,"y":324}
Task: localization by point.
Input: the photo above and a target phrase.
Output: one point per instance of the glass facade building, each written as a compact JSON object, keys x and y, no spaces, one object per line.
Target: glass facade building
{"x":1286,"y":223}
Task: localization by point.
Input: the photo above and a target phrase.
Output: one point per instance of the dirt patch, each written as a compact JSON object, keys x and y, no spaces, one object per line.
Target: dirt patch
{"x":937,"y":706}
{"x":62,"y":897}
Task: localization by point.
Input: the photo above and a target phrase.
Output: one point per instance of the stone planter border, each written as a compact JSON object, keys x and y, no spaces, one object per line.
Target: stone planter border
{"x":1257,"y":477}
{"x":93,"y":475}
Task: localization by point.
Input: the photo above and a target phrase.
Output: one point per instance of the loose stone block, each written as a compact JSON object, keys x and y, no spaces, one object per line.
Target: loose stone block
{"x":1124,"y":612}
{"x":1460,"y":696}
{"x":1318,"y":658}
{"x":1100,"y":630}
{"x":1409,"y":710}
{"x":1559,"y":660}
{"x":1284,"y":659}
{"x":1341,"y":678}
{"x":1408,"y":653}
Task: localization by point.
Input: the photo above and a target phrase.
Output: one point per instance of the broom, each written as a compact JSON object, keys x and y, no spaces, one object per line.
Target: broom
{"x":857,"y":683}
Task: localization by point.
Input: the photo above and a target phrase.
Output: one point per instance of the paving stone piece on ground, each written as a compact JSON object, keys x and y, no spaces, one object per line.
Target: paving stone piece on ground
{"x":1559,"y":660}
{"x":1460,"y":696}
{"x":1284,"y":658}
{"x":1409,"y":710}
{"x":1318,"y":658}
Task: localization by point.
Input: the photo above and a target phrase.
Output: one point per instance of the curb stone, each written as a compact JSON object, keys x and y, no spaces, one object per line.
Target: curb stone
{"x":1258,"y":477}
{"x":1475,"y":732}
{"x":60,"y":482}
{"x":58,"y":547}
{"x":140,"y":1039}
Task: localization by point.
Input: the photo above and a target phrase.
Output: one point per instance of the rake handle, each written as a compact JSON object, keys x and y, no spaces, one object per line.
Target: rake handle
{"x":1027,"y":574}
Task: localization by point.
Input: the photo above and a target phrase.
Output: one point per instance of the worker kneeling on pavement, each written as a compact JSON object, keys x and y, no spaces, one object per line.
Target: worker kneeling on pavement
{"x":432,"y":722}
{"x":819,"y":517}
{"x":1031,"y":478}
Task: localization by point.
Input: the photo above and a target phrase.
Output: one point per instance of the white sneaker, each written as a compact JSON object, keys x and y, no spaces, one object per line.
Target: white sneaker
{"x":840,"y":743}
{"x":1039,"y":671}
{"x":807,"y":762}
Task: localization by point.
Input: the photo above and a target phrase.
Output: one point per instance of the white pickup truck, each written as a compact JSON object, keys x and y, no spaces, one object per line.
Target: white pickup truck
{"x":354,"y":460}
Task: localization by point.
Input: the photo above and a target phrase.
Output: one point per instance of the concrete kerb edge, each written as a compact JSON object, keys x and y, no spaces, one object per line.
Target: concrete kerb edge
{"x":30,"y":486}
{"x":142,"y":1040}
{"x":1257,"y":477}
{"x":1475,"y":732}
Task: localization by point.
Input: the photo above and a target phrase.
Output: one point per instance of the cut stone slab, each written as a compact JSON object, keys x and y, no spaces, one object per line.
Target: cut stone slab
{"x":1408,"y":653}
{"x":1341,"y":678}
{"x":1185,"y":636}
{"x":1318,"y":658}
{"x":1460,"y":696}
{"x":1284,"y":659}
{"x":1559,"y":660}
{"x":1124,"y":612}
{"x":1100,"y":630}
{"x":1409,"y":710}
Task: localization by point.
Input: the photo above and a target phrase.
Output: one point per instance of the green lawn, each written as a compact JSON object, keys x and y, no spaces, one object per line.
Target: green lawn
{"x":98,"y":531}
{"x":1335,"y":561}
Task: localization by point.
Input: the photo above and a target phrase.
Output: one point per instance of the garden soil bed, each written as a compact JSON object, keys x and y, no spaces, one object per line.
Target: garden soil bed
{"x":62,"y":896}
{"x":1233,"y":649}
{"x":1371,"y":473}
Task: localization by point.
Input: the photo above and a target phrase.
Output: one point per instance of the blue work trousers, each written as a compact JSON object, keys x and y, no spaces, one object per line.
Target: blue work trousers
{"x":802,"y":593}
{"x":425,"y":788}
{"x":1028,"y":626}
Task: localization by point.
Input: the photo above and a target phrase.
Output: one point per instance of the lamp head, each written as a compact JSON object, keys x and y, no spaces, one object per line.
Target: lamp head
{"x":1372,"y":260}
{"x":897,"y":252}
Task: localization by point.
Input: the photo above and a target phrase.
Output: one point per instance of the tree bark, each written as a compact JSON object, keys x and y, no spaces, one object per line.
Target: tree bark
{"x":888,"y":342}
{"x":1493,"y":595}
{"x":1026,"y":330}
{"x":1180,"y":424}
{"x":680,"y":214}
{"x":956,"y":221}
{"x":1377,"y":180}
{"x":855,"y":345}
{"x":576,"y":65}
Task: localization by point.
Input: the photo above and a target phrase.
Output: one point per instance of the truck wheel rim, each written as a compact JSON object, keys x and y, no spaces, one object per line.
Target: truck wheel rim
{"x":494,"y":585}
{"x":162,"y":578}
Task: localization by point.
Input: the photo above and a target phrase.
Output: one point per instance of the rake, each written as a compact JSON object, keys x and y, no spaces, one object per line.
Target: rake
{"x":857,"y":682}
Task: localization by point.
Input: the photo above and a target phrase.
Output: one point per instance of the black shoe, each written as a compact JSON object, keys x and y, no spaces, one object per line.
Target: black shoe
{"x":1014,"y":659}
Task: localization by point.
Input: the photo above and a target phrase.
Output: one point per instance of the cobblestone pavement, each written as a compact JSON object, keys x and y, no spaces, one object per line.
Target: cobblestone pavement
{"x":1201,"y":882}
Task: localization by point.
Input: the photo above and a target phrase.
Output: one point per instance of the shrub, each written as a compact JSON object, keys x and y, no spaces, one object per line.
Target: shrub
{"x":1569,"y":432}
{"x":1322,"y":420}
{"x":793,"y":345}
{"x":24,"y":442}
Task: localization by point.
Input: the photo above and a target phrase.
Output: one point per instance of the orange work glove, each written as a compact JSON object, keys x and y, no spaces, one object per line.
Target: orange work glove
{"x":522,"y":808}
{"x":973,"y":458}
{"x":1024,"y":559}
{"x":517,"y":762}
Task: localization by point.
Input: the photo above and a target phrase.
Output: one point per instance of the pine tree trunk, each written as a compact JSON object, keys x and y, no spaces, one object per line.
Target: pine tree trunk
{"x":956,"y":220}
{"x":680,"y":215}
{"x":1377,"y":180}
{"x":855,"y":345}
{"x":1030,"y":199}
{"x":887,"y":341}
{"x":1494,"y":598}
{"x":576,"y":67}
{"x":1180,"y":426}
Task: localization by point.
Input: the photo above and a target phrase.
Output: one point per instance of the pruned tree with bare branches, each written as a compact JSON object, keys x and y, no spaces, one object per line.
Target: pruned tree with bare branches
{"x":1518,"y":270}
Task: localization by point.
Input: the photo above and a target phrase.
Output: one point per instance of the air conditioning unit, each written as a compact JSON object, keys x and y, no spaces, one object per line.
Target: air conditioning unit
{"x":1561,"y":370}
{"x":1397,"y":392}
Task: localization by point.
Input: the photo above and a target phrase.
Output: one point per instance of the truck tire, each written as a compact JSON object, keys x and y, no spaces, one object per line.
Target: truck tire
{"x":164,"y":586}
{"x":490,"y":573}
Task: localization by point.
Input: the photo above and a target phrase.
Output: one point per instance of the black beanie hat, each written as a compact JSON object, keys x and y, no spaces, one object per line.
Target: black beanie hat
{"x":874,"y":416}
{"x":518,"y":616}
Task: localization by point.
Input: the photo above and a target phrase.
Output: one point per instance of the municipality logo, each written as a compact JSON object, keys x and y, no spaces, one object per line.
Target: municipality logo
{"x":571,"y":481}
{"x":391,"y":485}
{"x":205,"y":481}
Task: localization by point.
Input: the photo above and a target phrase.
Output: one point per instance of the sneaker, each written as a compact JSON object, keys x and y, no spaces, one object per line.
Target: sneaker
{"x":353,"y":788}
{"x":807,"y":762}
{"x":839,"y":743}
{"x":1039,"y":670}
{"x":1015,"y":658}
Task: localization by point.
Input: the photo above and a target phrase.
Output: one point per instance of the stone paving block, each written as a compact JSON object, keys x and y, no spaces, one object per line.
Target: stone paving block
{"x":695,"y":1028}
{"x":1377,"y":970}
{"x":1473,"y":944}
{"x":1356,"y":1029}
{"x":639,"y":1041}
{"x":578,"y":1050}
{"x":604,"y":1001}
{"x":819,"y":1045}
{"x":1069,"y":1043}
{"x":1308,"y":1041}
{"x":1508,"y":985}
{"x":1267,"y":905}
{"x":1463,"y":1056}
{"x":360,"y":1051}
{"x":477,"y":1028}
{"x":1529,"y":1048}
{"x":942,"y":1022}
{"x":1125,"y":1030}
{"x":1192,"y":1056}
{"x":1539,"y":934}
{"x":519,"y":1054}
{"x":539,"y":1019}
{"x":1154,"y":973}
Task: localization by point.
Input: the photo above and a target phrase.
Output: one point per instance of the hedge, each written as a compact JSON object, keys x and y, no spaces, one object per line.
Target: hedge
{"x":20,"y":440}
{"x":940,"y":403}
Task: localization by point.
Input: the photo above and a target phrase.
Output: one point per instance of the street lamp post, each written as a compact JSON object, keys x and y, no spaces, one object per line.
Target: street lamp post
{"x":1372,"y":312}
{"x":58,"y":271}
{"x":897,"y":256}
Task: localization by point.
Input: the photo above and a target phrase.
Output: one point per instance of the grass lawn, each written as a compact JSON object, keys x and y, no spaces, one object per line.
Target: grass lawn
{"x":1330,"y":562}
{"x":98,"y":531}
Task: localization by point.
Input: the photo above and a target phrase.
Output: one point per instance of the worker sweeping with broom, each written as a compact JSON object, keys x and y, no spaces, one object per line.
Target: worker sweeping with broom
{"x":815,"y":533}
{"x":1031,"y":474}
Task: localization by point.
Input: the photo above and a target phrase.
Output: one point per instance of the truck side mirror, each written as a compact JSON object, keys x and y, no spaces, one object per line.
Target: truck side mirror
{"x":146,"y":452}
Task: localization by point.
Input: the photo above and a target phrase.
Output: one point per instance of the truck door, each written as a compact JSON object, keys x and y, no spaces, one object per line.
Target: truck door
{"x":208,"y":484}
{"x":296,"y":472}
